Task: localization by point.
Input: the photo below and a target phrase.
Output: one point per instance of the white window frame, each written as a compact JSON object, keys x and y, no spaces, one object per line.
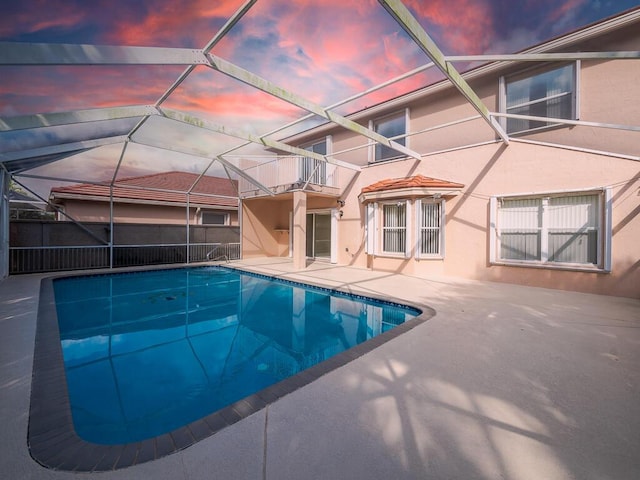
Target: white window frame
{"x":404,"y":138}
{"x":440,"y":228}
{"x":575,"y":94}
{"x":374,"y":228}
{"x":604,"y":229}
{"x":407,"y":228}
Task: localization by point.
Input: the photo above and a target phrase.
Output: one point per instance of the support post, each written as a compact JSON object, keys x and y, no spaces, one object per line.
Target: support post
{"x":299,"y":230}
{"x":188,"y":224}
{"x":111,"y":225}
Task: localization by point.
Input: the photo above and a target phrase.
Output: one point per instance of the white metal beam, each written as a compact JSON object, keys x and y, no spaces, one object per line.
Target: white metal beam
{"x":544,"y":57}
{"x":173,"y":148}
{"x":212,"y":43}
{"x":266,"y":86}
{"x":246,"y":176}
{"x":408,"y":22}
{"x":59,"y":148}
{"x":199,"y":122}
{"x":19,"y":53}
{"x":21,"y":122}
{"x":342,"y":102}
{"x":614,"y":126}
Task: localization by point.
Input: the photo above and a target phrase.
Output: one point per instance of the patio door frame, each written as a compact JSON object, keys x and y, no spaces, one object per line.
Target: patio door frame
{"x":333,"y":236}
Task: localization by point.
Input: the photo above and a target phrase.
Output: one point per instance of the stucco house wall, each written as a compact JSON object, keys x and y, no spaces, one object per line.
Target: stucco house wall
{"x":498,"y":170}
{"x":553,"y":160}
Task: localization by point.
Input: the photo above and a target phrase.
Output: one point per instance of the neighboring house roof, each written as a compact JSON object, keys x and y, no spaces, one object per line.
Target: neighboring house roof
{"x":408,"y":186}
{"x":18,"y":200}
{"x":160,"y":188}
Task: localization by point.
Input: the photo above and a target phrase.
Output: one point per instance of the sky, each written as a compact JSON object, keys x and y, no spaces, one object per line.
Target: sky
{"x":323,"y":50}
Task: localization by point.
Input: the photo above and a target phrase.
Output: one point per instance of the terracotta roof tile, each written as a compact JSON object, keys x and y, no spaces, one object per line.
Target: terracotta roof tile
{"x":417,"y":181}
{"x":124,"y":189}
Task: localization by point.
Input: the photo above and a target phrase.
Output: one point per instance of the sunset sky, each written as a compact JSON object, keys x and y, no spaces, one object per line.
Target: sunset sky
{"x":325,"y":50}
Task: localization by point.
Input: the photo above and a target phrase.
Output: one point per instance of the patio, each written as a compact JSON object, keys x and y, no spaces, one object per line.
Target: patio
{"x":504,"y":381}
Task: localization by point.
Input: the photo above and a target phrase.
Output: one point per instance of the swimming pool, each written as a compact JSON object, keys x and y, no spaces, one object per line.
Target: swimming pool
{"x":147,"y":363}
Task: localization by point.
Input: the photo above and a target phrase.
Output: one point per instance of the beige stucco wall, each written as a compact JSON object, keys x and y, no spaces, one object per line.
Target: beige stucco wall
{"x":88,"y":211}
{"x":485,"y":171}
{"x":498,"y":170}
{"x":265,"y":224}
{"x":608,"y":94}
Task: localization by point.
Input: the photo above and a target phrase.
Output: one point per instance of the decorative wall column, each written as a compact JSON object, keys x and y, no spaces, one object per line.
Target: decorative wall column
{"x":299,"y":230}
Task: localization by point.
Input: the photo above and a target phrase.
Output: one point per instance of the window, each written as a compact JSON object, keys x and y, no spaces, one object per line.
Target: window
{"x":430,"y":233}
{"x":394,"y":227}
{"x":390,"y":127}
{"x":312,"y":170}
{"x":214,"y":218}
{"x":554,"y":229}
{"x":550,"y":93}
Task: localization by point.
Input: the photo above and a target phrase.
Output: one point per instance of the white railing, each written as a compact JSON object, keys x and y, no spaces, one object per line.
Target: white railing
{"x":226,"y":251}
{"x":290,"y":173}
{"x":52,"y":259}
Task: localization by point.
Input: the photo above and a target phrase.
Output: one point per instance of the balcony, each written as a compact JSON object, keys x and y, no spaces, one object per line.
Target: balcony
{"x":287,"y":174}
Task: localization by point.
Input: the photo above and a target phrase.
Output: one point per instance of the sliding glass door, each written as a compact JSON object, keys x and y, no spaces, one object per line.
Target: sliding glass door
{"x":319,"y":235}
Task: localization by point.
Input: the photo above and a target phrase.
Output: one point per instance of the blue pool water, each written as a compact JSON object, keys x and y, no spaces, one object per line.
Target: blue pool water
{"x":148,"y":352}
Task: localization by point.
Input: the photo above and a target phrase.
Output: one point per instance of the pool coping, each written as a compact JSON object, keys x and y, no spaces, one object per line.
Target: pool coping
{"x":53,"y":441}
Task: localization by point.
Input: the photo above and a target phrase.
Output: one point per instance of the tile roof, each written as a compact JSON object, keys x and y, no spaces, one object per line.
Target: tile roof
{"x":177,"y":182}
{"x":417,"y":181}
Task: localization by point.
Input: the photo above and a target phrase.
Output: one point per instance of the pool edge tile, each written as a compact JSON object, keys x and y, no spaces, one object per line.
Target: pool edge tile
{"x":51,"y":436}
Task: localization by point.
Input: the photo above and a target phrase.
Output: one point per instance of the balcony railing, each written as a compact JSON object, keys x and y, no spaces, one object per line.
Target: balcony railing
{"x":53,"y":259}
{"x":292,"y":173}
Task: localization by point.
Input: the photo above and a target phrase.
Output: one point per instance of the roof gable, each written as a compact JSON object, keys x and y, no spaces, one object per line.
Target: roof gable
{"x":417,"y":181}
{"x":417,"y":185}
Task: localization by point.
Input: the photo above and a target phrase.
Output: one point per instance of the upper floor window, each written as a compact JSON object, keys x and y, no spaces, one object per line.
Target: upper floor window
{"x":559,"y":229}
{"x":312,"y":170}
{"x":390,"y":127}
{"x":549,"y":93}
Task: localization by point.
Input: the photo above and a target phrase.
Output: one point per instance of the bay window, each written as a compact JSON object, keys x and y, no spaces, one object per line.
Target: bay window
{"x":406,"y":227}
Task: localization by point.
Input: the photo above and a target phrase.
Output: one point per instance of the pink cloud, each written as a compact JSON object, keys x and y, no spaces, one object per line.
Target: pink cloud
{"x":171,"y":20}
{"x":227,"y":101}
{"x":464,"y":25}
{"x":563,"y":9}
{"x":26,"y":18}
{"x":54,"y":89}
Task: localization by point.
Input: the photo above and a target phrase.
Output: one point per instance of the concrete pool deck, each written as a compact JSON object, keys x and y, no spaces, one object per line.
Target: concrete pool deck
{"x":504,"y":382}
